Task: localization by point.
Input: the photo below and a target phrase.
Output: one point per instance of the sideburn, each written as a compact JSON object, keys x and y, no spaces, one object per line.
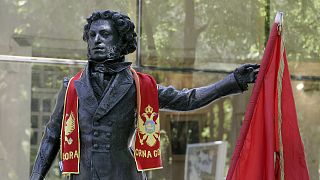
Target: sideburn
{"x":111,"y":53}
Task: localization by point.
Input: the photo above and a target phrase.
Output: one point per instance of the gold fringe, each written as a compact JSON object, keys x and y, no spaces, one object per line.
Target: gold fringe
{"x":280,"y":76}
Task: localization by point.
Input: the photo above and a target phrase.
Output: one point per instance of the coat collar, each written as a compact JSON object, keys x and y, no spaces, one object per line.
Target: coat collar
{"x":116,"y":90}
{"x":85,"y":92}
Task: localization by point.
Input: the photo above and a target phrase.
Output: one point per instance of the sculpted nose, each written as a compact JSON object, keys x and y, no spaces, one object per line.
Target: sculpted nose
{"x":97,"y":38}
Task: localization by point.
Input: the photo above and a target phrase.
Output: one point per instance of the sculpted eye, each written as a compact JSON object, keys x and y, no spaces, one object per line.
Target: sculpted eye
{"x":105,"y":33}
{"x":92,"y":34}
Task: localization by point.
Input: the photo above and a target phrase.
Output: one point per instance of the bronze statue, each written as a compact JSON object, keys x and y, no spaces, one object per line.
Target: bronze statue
{"x":107,"y":102}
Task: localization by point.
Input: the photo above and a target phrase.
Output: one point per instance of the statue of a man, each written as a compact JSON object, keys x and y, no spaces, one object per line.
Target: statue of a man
{"x":107,"y":102}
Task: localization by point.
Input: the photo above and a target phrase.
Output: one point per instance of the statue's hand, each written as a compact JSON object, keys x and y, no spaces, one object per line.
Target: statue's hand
{"x":246,"y":74}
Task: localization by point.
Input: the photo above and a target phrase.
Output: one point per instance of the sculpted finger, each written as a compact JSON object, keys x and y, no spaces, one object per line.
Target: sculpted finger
{"x":249,"y":69}
{"x":254,"y":66}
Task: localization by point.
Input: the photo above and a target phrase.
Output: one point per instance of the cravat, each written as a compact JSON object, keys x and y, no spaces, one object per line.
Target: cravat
{"x":102,"y":74}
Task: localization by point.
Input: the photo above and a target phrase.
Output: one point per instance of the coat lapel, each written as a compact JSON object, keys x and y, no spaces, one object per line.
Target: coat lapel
{"x":85,"y":92}
{"x":115,"y":92}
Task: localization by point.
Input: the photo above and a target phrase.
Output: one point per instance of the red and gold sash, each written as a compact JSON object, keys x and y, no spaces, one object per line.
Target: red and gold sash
{"x":70,"y":142}
{"x":147,"y":136}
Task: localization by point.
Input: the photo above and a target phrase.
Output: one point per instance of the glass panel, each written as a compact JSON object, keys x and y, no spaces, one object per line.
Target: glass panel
{"x":21,"y":101}
{"x":213,"y":36}
{"x":51,"y":29}
{"x":301,"y":28}
{"x":36,"y":79}
{"x":34,"y":121}
{"x":302,"y":35}
{"x":307,"y":100}
{"x":216,"y":36}
{"x":15,"y":119}
{"x":45,"y":90}
{"x":219,"y":121}
{"x":201,"y":34}
{"x":34,"y":138}
{"x":183,"y":133}
{"x":35,"y":106}
{"x":46,"y":103}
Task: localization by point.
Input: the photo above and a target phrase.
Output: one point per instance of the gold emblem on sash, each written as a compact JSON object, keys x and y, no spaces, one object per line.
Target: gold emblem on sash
{"x":69,"y":128}
{"x":149,"y":129}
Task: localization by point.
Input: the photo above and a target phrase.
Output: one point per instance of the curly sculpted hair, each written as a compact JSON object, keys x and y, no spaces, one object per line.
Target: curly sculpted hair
{"x":123,"y":25}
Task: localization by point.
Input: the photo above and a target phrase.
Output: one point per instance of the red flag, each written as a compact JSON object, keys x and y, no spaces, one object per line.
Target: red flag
{"x":270,"y":146}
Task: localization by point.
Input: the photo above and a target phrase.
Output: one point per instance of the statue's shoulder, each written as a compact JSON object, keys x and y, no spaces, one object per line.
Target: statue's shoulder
{"x":77,"y":76}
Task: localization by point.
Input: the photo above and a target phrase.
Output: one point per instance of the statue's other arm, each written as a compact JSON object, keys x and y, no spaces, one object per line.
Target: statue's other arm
{"x":190,"y":99}
{"x":185,"y":100}
{"x":50,"y":143}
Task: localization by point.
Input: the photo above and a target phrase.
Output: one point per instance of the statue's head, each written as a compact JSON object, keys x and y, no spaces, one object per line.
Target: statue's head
{"x":110,"y":35}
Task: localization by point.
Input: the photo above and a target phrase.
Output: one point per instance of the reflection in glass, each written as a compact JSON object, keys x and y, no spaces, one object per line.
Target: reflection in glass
{"x":183,"y":133}
{"x":46,"y":105}
{"x":34,"y":121}
{"x":49,"y":81}
{"x":35,"y":106}
{"x":34,"y":138}
{"x":211,"y":35}
{"x":198,"y":34}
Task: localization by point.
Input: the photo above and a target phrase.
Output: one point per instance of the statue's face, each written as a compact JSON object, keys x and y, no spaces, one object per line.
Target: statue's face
{"x":102,"y":40}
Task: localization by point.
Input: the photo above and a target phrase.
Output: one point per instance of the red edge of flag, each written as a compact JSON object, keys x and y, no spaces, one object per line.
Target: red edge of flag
{"x":252,"y":102}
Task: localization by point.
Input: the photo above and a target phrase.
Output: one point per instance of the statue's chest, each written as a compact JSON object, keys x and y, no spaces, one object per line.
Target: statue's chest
{"x":120,"y":117}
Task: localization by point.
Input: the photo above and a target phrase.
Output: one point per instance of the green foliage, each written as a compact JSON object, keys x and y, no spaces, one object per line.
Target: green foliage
{"x":54,"y":28}
{"x":302,"y":31}
{"x":235,"y":30}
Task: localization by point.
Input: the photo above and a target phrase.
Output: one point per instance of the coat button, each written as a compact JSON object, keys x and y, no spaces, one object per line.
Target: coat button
{"x":96,"y":134}
{"x":95,"y":146}
{"x":108,"y":134}
{"x":108,"y":147}
{"x":110,"y":123}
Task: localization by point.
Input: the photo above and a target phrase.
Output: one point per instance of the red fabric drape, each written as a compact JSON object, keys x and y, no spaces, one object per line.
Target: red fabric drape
{"x":257,"y":155}
{"x":70,"y":141}
{"x":147,"y":137}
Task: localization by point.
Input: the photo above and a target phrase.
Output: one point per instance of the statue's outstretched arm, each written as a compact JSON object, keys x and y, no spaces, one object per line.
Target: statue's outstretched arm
{"x":50,"y":143}
{"x":190,"y":99}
